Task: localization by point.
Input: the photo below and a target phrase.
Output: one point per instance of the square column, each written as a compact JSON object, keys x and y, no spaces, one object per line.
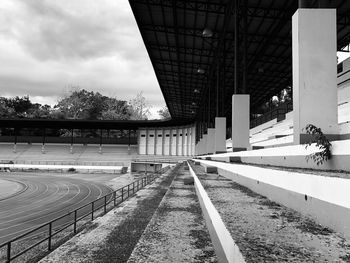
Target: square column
{"x":193,"y":140}
{"x":188,"y":146}
{"x":210,"y":147}
{"x":314,"y":72}
{"x":240,"y":122}
{"x":220,"y":135}
{"x":184,"y":141}
{"x":203,"y":145}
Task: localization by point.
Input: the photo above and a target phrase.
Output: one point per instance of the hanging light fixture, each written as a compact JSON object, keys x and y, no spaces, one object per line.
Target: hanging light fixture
{"x":207,"y":33}
{"x":200,"y":71}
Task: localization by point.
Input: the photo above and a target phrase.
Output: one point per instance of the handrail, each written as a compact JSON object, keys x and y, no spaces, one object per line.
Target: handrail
{"x":278,"y":113}
{"x":125,"y":192}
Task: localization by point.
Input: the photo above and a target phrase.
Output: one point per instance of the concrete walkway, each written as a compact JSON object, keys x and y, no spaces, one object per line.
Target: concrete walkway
{"x":177,"y":232}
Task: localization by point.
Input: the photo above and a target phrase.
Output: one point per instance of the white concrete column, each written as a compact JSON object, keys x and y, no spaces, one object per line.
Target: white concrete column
{"x":171,"y":142}
{"x":210,"y":147}
{"x":141,"y":135}
{"x":184,"y":138}
{"x":188,"y":146}
{"x":220,"y":134}
{"x":193,"y":140}
{"x":240,"y":122}
{"x":146,"y":141}
{"x":314,"y":71}
{"x":203,"y":148}
{"x":177,"y":141}
{"x":155,"y":141}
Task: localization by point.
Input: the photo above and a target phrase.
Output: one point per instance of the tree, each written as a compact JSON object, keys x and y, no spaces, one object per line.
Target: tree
{"x":139,"y":107}
{"x":83,"y":104}
{"x":164,"y":113}
{"x":116,"y":110}
{"x":5,"y":110}
{"x":20,"y":105}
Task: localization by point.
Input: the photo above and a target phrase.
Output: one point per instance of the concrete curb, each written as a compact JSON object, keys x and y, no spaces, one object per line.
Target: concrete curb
{"x":226,"y":249}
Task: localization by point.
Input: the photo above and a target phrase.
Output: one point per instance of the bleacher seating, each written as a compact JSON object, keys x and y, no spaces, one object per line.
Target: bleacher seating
{"x":274,"y":133}
{"x":63,"y":154}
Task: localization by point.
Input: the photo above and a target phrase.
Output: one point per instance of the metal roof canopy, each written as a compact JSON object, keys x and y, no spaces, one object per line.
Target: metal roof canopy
{"x":172,"y":31}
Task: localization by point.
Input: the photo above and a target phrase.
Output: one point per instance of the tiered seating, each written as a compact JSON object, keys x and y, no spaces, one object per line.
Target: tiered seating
{"x":273,"y":133}
{"x":61,"y":154}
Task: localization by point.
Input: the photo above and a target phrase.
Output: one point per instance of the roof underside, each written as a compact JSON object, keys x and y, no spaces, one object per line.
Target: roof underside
{"x":172,"y":33}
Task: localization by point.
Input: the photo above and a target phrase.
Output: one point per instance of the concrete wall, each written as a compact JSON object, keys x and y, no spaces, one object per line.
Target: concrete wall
{"x":175,"y":141}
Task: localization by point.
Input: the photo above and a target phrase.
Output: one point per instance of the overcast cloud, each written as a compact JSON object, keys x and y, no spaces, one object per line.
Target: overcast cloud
{"x":48,"y":46}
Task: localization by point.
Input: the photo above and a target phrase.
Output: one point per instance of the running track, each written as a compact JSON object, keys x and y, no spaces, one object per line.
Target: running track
{"x":45,"y":198}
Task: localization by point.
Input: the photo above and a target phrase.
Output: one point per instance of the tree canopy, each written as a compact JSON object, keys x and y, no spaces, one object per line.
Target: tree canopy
{"x":164,"y":113}
{"x":78,"y":104}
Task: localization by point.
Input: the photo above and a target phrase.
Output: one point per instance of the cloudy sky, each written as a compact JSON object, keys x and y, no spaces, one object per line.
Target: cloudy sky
{"x":47,"y":47}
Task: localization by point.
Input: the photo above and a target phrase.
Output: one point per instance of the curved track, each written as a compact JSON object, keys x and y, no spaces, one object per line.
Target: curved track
{"x":45,"y":198}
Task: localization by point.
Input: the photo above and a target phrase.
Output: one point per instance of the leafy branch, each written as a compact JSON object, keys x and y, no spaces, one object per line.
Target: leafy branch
{"x":321,"y":142}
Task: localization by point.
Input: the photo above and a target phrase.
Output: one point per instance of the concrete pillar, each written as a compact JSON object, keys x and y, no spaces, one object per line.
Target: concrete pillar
{"x":189,"y":143}
{"x":314,"y":72}
{"x":203,"y":149}
{"x":240,"y":122}
{"x":171,"y":142}
{"x":220,"y":135}
{"x":184,"y":141}
{"x":146,"y":141}
{"x":155,"y":141}
{"x":177,"y":141}
{"x":210,"y":141}
{"x":193,"y":140}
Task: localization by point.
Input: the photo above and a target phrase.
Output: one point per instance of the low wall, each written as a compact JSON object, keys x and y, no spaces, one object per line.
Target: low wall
{"x":225,"y":247}
{"x":325,"y":199}
{"x":145,"y":167}
{"x":290,"y":156}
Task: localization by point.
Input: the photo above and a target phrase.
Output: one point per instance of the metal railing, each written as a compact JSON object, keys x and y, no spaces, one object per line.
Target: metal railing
{"x":278,"y":113}
{"x":71,"y":219}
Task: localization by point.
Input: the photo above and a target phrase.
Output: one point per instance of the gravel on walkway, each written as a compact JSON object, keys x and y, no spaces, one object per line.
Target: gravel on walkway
{"x":268,"y":232}
{"x":177,"y":231}
{"x":90,"y":244}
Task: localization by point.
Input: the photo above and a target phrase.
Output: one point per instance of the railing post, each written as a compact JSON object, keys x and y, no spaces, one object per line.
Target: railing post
{"x":133,"y":187}
{"x":105,"y":207}
{"x":128,"y":190}
{"x":75,"y":221}
{"x":123,"y":194}
{"x":50,"y":234}
{"x":114,"y":197}
{"x":8,"y":252}
{"x":92,"y":210}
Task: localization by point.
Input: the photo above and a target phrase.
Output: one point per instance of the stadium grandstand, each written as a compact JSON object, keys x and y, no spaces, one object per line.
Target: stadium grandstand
{"x":243,"y":80}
